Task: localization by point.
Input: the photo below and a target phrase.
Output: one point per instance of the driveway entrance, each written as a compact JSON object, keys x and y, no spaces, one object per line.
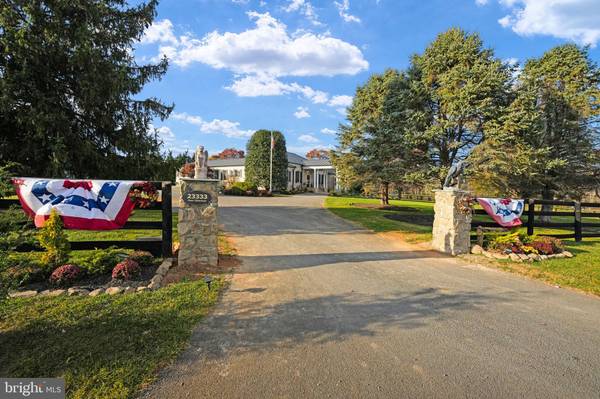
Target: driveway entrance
{"x":321,"y":308}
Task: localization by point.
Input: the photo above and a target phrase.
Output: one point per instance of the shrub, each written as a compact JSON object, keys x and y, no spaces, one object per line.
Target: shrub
{"x":14,"y":219}
{"x":54,"y":240}
{"x":126,"y":270}
{"x":65,"y":275}
{"x":547,"y":242}
{"x":100,"y":261}
{"x":544,"y":248}
{"x":241,"y":188}
{"x":143,"y":258}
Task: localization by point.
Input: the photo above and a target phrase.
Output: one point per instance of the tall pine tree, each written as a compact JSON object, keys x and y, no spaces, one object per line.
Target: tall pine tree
{"x":69,"y":86}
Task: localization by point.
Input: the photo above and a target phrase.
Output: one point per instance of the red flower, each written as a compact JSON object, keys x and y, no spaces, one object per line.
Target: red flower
{"x":126,"y":270}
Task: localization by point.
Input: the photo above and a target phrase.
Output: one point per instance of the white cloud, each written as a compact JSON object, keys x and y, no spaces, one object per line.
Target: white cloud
{"x":268,"y":49}
{"x":301,"y":113}
{"x":328,"y":131}
{"x":218,"y":126}
{"x":305,"y":8}
{"x":159,"y":32}
{"x":166,"y":134}
{"x":257,"y":86}
{"x":577,"y":20}
{"x":481,"y":2}
{"x":343,"y":9}
{"x":308,"y":138}
{"x":340,"y":101}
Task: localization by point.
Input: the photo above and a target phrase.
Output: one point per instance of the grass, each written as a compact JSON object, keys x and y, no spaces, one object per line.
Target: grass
{"x":581,"y":272}
{"x":120,"y":234}
{"x":105,"y":346}
{"x":374,"y":219}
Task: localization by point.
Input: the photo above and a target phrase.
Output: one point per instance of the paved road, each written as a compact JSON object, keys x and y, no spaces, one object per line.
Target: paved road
{"x":321,"y":308}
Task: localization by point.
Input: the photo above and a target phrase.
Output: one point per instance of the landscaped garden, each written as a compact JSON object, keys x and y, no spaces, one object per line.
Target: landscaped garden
{"x":414,"y":221}
{"x":104,"y":346}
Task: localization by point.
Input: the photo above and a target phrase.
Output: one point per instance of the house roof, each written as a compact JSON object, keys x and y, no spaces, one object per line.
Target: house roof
{"x":226,"y":162}
{"x":292,"y":158}
{"x":317,"y":162}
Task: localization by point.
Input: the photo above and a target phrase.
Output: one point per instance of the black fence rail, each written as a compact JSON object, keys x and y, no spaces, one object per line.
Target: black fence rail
{"x":531,"y":218}
{"x":158,"y":246}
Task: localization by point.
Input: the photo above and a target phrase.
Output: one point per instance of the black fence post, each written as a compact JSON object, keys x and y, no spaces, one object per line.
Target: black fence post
{"x":578,"y":224}
{"x":167,"y":221}
{"x":530,"y":216}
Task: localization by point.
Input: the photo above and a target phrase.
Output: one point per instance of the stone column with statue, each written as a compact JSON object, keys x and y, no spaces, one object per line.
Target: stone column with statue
{"x":452,"y":222}
{"x":197,"y":226}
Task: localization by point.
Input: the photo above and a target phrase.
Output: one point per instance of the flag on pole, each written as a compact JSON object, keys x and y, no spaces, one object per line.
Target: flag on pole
{"x":505,"y":211}
{"x":82,"y":204}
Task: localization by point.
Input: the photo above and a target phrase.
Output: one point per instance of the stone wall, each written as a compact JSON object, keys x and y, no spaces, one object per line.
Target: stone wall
{"x":197,"y":226}
{"x":451,"y":226}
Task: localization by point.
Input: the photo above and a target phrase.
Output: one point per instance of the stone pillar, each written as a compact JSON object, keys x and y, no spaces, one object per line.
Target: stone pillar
{"x":197,"y":225}
{"x":451,"y":225}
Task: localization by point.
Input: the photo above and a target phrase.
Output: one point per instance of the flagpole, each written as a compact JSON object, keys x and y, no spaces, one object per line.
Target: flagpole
{"x":271,"y":168}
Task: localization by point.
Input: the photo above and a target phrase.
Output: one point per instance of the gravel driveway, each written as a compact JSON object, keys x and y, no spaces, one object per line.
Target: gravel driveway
{"x":321,"y":308}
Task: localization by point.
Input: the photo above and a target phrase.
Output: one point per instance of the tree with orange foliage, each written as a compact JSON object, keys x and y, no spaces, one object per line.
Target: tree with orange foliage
{"x":230,"y":153}
{"x":316,"y":153}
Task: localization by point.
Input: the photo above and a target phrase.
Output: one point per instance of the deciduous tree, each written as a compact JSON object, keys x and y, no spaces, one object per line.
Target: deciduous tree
{"x":317,"y":153}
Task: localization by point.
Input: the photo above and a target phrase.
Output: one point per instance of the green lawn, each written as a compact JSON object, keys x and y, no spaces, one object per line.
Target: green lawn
{"x":415,"y":226}
{"x":138,"y":215}
{"x":105,"y":347}
{"x":581,"y":272}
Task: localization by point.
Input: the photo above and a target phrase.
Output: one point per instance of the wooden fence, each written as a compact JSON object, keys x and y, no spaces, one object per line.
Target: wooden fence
{"x":161,"y":246}
{"x":534,"y":210}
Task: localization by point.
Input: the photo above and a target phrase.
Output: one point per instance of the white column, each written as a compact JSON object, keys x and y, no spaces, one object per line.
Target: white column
{"x":316,"y":181}
{"x":326,"y":173}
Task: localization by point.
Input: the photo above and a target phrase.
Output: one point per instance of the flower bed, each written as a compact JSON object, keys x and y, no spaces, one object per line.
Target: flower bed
{"x":519,"y":247}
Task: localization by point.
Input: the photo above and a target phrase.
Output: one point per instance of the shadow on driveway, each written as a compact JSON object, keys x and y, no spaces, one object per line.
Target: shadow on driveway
{"x":257,"y":326}
{"x":270,"y":263}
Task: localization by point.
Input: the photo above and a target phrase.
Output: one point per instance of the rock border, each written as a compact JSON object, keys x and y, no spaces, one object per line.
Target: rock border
{"x":519,"y":258}
{"x":155,"y":283}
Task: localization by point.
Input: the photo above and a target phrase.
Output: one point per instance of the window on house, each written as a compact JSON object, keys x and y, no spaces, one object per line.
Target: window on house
{"x":298,"y":176}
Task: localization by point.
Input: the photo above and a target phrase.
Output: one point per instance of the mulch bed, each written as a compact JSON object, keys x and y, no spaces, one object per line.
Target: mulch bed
{"x":102,"y":281}
{"x":227,"y":264}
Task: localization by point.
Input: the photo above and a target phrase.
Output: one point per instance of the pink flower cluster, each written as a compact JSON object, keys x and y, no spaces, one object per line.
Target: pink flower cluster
{"x":126,"y":270}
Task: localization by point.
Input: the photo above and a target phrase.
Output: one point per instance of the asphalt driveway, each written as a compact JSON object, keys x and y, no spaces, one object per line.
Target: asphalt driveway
{"x":321,"y":308}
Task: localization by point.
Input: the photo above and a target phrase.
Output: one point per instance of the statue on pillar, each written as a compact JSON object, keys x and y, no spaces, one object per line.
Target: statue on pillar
{"x":201,"y":165}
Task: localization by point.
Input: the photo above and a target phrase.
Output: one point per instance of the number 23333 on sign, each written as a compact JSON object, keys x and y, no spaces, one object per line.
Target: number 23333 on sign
{"x":197,"y":197}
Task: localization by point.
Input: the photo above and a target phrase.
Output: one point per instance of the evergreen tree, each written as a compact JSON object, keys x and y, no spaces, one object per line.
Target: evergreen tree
{"x":545,"y":144}
{"x":69,"y":86}
{"x":466,"y":88}
{"x":378,"y":145}
{"x":257,"y":161}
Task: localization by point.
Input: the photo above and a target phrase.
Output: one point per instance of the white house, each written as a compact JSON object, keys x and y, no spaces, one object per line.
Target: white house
{"x":316,"y":175}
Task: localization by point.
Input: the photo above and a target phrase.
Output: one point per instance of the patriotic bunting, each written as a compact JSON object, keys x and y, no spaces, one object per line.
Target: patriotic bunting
{"x":82,"y":204}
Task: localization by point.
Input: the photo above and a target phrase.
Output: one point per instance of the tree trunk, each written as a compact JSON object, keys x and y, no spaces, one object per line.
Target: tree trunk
{"x":547,"y":195}
{"x":385,"y":194}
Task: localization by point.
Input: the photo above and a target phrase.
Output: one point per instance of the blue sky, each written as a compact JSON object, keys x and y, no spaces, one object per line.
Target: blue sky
{"x":293,"y":65}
